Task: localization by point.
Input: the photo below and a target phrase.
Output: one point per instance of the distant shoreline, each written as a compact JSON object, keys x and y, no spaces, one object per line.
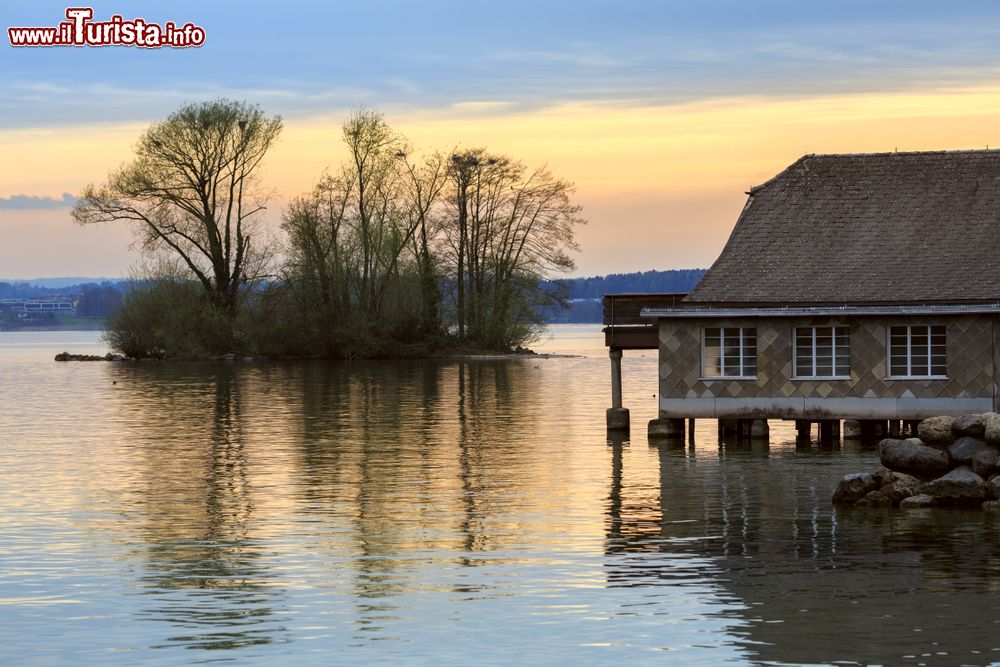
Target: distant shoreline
{"x":56,"y":327}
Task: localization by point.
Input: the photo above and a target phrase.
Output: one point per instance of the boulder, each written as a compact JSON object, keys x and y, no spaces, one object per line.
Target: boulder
{"x":965,"y":448}
{"x":992,"y":430}
{"x":937,"y":430}
{"x":915,"y":459}
{"x":974,"y":425}
{"x":901,"y":486}
{"x":993,"y":487}
{"x":917,"y":502}
{"x":961,"y":486}
{"x":874,"y":499}
{"x":984,"y":463}
{"x":856,"y":486}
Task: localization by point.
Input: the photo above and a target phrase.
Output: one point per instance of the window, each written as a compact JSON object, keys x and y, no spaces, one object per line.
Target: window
{"x":822,"y":352}
{"x":729,"y":352}
{"x":918,"y":351}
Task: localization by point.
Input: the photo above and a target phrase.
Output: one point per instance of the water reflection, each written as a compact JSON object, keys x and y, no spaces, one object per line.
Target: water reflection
{"x":206,"y":575}
{"x":426,"y":512}
{"x":813,"y":585}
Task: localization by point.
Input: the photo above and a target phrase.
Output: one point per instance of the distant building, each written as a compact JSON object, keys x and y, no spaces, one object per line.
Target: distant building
{"x":59,"y":305}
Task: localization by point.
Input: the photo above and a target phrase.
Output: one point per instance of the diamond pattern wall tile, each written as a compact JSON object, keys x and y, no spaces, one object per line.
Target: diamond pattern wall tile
{"x":970,"y":361}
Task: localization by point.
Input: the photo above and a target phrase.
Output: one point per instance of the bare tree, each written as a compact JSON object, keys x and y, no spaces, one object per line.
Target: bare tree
{"x":510,"y":229}
{"x":424,"y":185}
{"x":192,"y":192}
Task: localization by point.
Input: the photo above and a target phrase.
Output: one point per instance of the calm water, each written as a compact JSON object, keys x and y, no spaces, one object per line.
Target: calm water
{"x":445,"y":513}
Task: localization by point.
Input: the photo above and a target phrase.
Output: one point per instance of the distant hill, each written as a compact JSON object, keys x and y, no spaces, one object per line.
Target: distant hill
{"x":59,"y":283}
{"x":27,"y":289}
{"x":584,"y":294}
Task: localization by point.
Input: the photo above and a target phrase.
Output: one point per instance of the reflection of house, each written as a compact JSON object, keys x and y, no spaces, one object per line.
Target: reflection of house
{"x":852,"y":286}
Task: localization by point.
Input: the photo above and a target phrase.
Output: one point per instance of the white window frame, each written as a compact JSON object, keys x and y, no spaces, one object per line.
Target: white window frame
{"x":722,"y":357}
{"x":833,"y":351}
{"x":909,"y":352}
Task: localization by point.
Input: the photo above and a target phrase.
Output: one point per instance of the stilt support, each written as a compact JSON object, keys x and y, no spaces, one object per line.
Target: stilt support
{"x":617,"y":416}
{"x":666,"y":428}
{"x":829,"y":431}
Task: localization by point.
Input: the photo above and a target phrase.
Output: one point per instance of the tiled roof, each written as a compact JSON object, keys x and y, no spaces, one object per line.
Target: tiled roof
{"x":866,"y":228}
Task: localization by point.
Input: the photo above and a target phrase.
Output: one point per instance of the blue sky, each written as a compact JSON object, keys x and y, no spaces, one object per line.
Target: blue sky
{"x":309,"y":57}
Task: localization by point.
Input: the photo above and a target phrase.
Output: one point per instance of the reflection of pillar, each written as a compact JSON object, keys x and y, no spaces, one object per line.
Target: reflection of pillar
{"x":617,"y":416}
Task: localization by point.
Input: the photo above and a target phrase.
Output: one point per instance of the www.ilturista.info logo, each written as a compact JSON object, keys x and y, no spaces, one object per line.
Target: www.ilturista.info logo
{"x":81,"y":30}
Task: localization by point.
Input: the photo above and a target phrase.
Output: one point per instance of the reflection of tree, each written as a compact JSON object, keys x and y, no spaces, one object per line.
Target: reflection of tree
{"x":414,"y":460}
{"x":204,"y":574}
{"x":812,"y":584}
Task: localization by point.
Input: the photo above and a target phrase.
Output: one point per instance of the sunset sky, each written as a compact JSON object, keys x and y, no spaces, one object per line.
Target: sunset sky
{"x":662,"y":113}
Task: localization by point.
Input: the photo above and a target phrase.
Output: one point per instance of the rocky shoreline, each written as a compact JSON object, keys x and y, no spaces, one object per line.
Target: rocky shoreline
{"x":952,"y":463}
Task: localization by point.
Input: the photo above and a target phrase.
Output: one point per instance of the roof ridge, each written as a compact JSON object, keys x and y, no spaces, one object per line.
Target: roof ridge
{"x":953,"y":151}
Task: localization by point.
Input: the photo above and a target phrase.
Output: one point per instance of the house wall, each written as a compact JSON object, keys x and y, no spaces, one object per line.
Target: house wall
{"x":970,"y":386}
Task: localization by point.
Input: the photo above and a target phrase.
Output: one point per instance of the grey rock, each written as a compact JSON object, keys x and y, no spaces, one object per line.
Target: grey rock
{"x":915,"y":459}
{"x":961,"y":486}
{"x":856,"y":486}
{"x":993,"y":486}
{"x":992,"y":431}
{"x":874,"y":499}
{"x":937,"y":430}
{"x":966,"y":447}
{"x":917,"y":502}
{"x":901,"y":486}
{"x":984,"y":463}
{"x":974,"y":425}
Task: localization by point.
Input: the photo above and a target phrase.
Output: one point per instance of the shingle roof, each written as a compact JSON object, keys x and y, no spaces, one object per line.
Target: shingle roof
{"x":866,"y":228}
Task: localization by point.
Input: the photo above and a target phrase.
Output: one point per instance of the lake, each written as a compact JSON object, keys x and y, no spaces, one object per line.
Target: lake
{"x":446,"y":513}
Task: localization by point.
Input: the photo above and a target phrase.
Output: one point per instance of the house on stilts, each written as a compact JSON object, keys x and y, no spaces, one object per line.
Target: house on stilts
{"x":853,"y":287}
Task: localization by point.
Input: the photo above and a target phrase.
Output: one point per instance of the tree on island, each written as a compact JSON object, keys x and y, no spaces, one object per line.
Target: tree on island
{"x":376,"y":248}
{"x":394,"y":253}
{"x":192,"y":193}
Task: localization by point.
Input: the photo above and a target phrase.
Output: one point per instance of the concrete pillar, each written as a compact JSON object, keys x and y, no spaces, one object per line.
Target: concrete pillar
{"x":617,"y":416}
{"x":894,"y":428}
{"x":666,"y":427}
{"x":829,"y":431}
{"x":730,"y":428}
{"x":803,"y":429}
{"x":617,"y":419}
{"x":691,"y":430}
{"x":759,"y":430}
{"x":616,"y":377}
{"x":852,"y":428}
{"x":873,"y":429}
